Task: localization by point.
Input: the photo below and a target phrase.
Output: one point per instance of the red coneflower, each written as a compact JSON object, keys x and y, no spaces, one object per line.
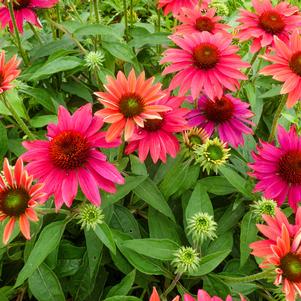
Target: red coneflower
{"x":18,"y":198}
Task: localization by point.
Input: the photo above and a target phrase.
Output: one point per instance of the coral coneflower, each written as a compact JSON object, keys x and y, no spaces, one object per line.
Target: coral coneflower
{"x":18,"y":198}
{"x":266,"y":22}
{"x":24,"y":10}
{"x":204,"y":296}
{"x":278,"y":169}
{"x":128,"y":103}
{"x":70,"y":157}
{"x":229,"y":115}
{"x":285,"y":258}
{"x":8,"y":71}
{"x":155,"y":296}
{"x":175,"y":6}
{"x":205,"y":62}
{"x":286,"y":67}
{"x":194,"y":20}
{"x":157,"y":137}
{"x":272,"y":230}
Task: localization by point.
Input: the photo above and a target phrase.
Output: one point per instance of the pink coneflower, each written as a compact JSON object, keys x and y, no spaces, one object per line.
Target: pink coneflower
{"x":229,"y":115}
{"x":272,"y":230}
{"x":286,"y":67}
{"x":24,"y":10}
{"x":70,"y":157}
{"x":175,"y":6}
{"x":205,"y":62}
{"x":157,"y":137}
{"x":18,"y":198}
{"x":155,"y":296}
{"x":204,"y":296}
{"x":278,"y":169}
{"x":266,"y":22}
{"x":128,"y":103}
{"x":195,"y":20}
{"x":8,"y":71}
{"x":285,"y":258}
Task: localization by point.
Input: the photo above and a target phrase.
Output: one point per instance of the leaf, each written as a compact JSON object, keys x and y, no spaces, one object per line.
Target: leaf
{"x":125,"y":285}
{"x":157,"y":38}
{"x":161,"y":226}
{"x":235,"y":180}
{"x":3,"y":140}
{"x":217,"y":185}
{"x":210,"y":262}
{"x":44,"y":285}
{"x":248,"y":234}
{"x":41,"y":121}
{"x":215,"y":286}
{"x":46,"y":243}
{"x":131,"y":182}
{"x":103,"y":232}
{"x":96,"y":29}
{"x":120,"y":51}
{"x":198,"y":202}
{"x":222,"y":242}
{"x":122,"y":298}
{"x":149,"y":192}
{"x":57,"y":65}
{"x":138,"y":168}
{"x":162,"y":249}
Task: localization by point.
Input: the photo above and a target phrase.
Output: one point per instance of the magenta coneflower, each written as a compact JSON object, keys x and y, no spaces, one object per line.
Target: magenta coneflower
{"x":18,"y":199}
{"x":286,"y":67}
{"x":196,"y":20}
{"x":128,"y":103}
{"x":24,"y":10}
{"x":278,"y":169}
{"x":157,"y":137}
{"x":229,"y":115}
{"x":70,"y":156}
{"x":205,"y":62}
{"x":175,"y":6}
{"x":266,"y":22}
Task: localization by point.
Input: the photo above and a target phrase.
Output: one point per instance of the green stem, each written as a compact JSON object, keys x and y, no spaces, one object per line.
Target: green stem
{"x":96,"y":11}
{"x":172,"y":285}
{"x":120,"y":151}
{"x":53,"y":210}
{"x":131,"y":13}
{"x":22,"y":51}
{"x":36,"y":34}
{"x":58,"y":14}
{"x":277,"y":116}
{"x":64,"y":30}
{"x":19,"y":121}
{"x":251,"y":278}
{"x":125,"y":20}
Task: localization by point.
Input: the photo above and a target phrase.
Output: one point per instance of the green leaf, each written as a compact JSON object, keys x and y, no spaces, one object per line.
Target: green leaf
{"x":162,"y":249}
{"x":161,"y":226}
{"x":157,"y":38}
{"x":236,"y":180}
{"x":131,"y":182}
{"x":217,"y":185}
{"x":3,"y":140}
{"x":210,"y":262}
{"x":138,"y":168}
{"x":122,"y":298}
{"x":96,"y":29}
{"x":248,"y":234}
{"x":44,"y":285}
{"x":57,"y":65}
{"x":198,"y":202}
{"x":46,"y":243}
{"x":41,"y":121}
{"x":149,"y":192}
{"x":120,"y":51}
{"x":215,"y":286}
{"x":125,"y":285}
{"x":103,"y":232}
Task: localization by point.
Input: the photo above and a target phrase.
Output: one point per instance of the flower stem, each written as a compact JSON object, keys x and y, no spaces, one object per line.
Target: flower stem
{"x":120,"y":151}
{"x":251,"y":278}
{"x":125,"y":20}
{"x":277,"y":116}
{"x":13,"y":18}
{"x":36,"y":34}
{"x":18,"y":119}
{"x":96,"y":11}
{"x":172,"y":285}
{"x":131,"y":13}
